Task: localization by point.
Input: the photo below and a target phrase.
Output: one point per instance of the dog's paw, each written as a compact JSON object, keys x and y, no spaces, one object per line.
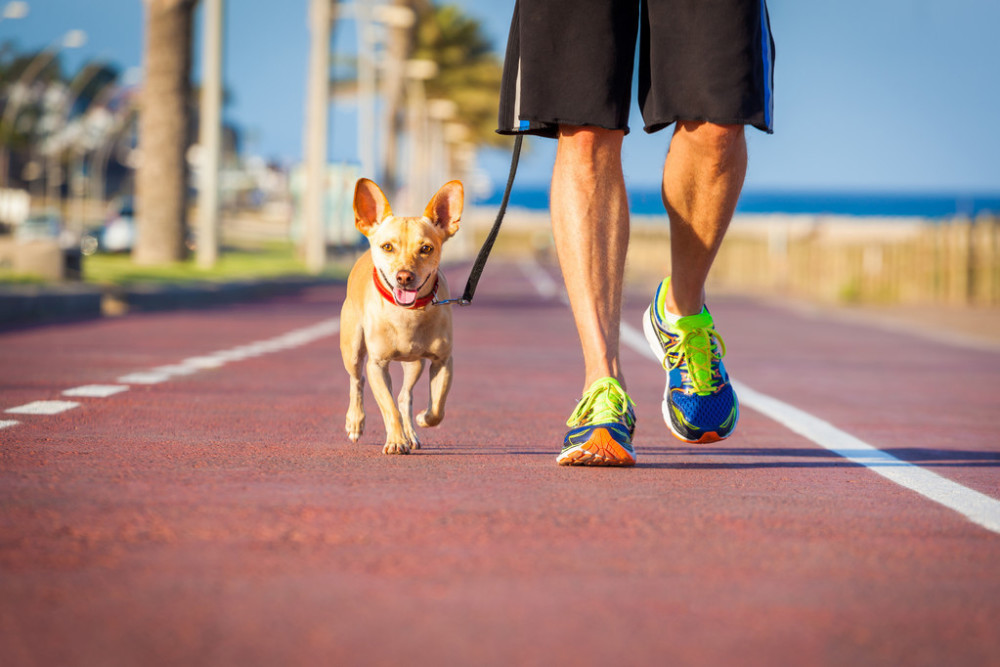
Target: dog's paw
{"x":425,"y":420}
{"x":355,"y":429}
{"x":396,"y":448}
{"x":411,"y":437}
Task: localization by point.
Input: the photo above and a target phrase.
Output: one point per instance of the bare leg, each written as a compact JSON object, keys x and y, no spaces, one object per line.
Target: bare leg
{"x":702,"y":178}
{"x":590,"y":224}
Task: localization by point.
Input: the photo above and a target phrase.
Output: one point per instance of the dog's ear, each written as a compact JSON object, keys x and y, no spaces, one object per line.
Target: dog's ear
{"x":445,"y":208}
{"x":370,"y":206}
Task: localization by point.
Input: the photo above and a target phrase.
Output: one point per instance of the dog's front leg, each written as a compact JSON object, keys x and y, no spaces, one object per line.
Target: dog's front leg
{"x":411,"y":373}
{"x":381,"y":384}
{"x":440,"y":384}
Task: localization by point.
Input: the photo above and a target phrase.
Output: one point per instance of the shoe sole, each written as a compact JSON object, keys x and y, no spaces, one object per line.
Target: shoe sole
{"x":653,"y":339}
{"x":600,"y":450}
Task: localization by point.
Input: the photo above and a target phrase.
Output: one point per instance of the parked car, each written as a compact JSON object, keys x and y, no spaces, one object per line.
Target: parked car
{"x":41,"y":226}
{"x":48,"y":226}
{"x":117,"y":234}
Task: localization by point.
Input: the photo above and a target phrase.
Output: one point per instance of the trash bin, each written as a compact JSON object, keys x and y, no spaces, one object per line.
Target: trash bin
{"x":72,"y":263}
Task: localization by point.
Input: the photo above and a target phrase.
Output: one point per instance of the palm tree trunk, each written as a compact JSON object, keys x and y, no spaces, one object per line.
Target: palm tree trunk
{"x":161,"y":182}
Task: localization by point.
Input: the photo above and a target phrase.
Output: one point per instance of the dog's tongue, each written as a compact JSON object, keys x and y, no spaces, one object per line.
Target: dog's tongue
{"x":404,"y":297}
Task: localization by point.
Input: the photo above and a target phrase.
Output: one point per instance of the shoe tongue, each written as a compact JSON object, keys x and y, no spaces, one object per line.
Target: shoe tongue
{"x":702,"y":320}
{"x":404,"y":297}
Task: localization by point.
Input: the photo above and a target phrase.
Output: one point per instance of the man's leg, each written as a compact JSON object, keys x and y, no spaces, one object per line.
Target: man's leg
{"x":702,"y":178}
{"x":590,"y":224}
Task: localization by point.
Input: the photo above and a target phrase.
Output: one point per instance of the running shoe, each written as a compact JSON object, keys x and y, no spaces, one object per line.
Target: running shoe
{"x":601,"y":428}
{"x":699,"y":404}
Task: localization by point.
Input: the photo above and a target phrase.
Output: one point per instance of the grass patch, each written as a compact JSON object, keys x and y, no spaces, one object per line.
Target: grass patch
{"x":271,"y":261}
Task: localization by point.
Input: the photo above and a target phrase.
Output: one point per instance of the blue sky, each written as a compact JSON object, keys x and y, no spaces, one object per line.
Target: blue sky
{"x":897,"y":95}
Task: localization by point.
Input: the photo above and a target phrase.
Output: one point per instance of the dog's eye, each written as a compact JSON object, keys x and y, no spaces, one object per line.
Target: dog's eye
{"x":386,"y":247}
{"x":426,"y":249}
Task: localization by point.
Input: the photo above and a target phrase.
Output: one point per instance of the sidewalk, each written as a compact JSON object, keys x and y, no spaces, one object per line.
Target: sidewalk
{"x":35,"y":304}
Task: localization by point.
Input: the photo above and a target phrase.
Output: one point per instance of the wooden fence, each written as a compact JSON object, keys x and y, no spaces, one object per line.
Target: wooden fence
{"x":846,"y":259}
{"x":824,"y":258}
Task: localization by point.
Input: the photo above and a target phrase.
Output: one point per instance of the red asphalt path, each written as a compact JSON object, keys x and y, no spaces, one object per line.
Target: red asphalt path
{"x":222,"y":517}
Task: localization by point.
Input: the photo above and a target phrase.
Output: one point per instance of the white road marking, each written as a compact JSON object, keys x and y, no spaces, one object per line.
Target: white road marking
{"x":979,"y":508}
{"x":147,"y":377}
{"x":96,"y":390}
{"x":975,"y":506}
{"x":199,"y":363}
{"x":540,"y":279}
{"x":189,"y":366}
{"x":174,"y":369}
{"x":43,"y":408}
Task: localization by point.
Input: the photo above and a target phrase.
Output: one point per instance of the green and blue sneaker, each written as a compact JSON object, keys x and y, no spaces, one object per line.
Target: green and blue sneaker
{"x":601,"y":428}
{"x":699,"y":404}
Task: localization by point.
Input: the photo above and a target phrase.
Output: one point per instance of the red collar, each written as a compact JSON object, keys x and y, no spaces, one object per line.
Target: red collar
{"x":419,"y":303}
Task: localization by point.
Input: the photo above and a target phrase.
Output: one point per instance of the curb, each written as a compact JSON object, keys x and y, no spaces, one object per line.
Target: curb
{"x":37,"y":304}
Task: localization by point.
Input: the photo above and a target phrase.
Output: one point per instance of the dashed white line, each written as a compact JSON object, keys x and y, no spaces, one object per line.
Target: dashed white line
{"x":96,"y":390}
{"x":144,"y":377}
{"x":189,"y":366}
{"x":43,"y":408}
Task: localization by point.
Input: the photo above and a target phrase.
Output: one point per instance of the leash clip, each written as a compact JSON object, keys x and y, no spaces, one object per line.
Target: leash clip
{"x":447,"y":302}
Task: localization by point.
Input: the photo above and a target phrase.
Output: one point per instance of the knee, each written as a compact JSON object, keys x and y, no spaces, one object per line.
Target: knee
{"x":587,"y":141}
{"x":722,"y":142}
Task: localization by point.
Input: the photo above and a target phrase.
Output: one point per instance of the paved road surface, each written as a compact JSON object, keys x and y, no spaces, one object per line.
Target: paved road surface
{"x":213,"y":512}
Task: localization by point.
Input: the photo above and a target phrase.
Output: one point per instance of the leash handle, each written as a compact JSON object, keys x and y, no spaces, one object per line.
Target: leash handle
{"x":484,"y":252}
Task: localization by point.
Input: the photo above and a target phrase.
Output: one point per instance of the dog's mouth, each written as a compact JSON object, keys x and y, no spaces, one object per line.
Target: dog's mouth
{"x":404,"y":297}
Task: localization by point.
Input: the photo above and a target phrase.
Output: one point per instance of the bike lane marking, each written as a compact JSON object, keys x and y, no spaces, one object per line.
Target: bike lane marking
{"x":189,"y":366}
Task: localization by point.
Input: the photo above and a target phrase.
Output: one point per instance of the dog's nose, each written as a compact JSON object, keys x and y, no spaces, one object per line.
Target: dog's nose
{"x":405,"y":278}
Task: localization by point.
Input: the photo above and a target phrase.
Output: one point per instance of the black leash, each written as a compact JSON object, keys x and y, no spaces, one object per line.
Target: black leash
{"x":484,"y":252}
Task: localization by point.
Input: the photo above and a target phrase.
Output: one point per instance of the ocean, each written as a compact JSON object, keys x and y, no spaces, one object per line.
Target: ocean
{"x":923,"y":205}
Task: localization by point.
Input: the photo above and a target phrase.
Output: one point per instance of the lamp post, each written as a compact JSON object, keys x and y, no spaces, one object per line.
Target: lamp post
{"x":71,"y":40}
{"x":418,"y":72}
{"x":76,"y":86}
{"x":316,"y":134}
{"x":210,"y":139}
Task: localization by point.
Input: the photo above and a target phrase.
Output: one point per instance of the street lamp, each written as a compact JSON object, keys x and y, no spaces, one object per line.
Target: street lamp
{"x":71,"y":40}
{"x":83,"y":77}
{"x":418,"y":72}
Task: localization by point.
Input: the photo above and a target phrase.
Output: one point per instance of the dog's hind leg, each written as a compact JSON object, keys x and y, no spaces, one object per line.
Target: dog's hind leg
{"x":411,"y":373}
{"x":440,"y":384}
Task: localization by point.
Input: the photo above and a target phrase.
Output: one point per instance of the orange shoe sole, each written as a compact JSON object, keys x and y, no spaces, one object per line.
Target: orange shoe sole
{"x":599,"y":450}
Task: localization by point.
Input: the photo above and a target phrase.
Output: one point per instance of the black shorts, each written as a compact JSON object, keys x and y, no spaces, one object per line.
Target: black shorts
{"x":571,"y":62}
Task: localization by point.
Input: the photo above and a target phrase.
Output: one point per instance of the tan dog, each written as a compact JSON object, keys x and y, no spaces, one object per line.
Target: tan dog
{"x":388,"y":314}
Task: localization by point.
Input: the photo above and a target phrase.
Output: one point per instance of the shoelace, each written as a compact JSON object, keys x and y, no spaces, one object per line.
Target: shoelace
{"x":695,"y":347}
{"x":603,"y":404}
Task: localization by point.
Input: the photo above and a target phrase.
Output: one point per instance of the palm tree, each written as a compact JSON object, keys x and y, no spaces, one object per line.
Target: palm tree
{"x":469,"y":72}
{"x":164,"y":131}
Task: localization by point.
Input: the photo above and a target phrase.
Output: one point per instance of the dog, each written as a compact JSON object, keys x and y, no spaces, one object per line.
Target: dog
{"x":389,"y":312}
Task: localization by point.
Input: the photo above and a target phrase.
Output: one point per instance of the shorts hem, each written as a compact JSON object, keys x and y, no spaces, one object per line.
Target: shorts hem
{"x":650,"y":128}
{"x":550,"y":128}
